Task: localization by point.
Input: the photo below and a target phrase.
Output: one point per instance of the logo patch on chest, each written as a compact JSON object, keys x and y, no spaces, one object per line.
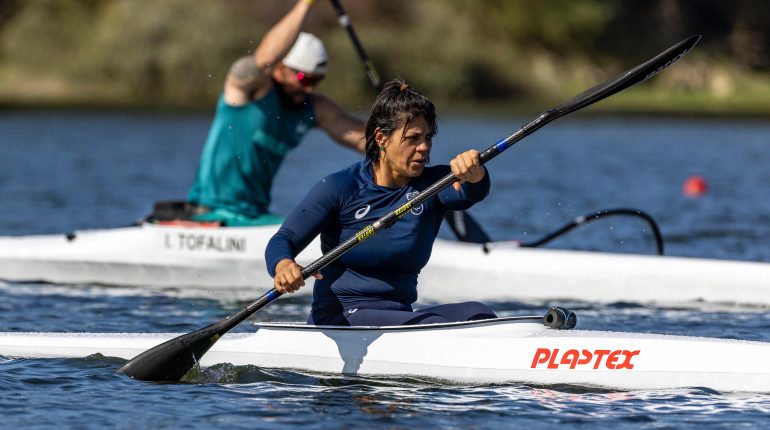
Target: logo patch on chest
{"x":362,"y":212}
{"x":417,"y":210}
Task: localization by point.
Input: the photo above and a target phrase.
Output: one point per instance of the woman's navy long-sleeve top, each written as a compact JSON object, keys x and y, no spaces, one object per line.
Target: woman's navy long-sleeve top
{"x":385,"y":267}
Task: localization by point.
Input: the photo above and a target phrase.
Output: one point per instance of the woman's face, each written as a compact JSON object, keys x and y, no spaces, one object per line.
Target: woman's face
{"x":407,"y":149}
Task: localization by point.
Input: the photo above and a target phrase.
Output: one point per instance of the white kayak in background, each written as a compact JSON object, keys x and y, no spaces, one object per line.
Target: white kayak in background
{"x":499,"y":351}
{"x":147,"y":255}
{"x":229,"y":262}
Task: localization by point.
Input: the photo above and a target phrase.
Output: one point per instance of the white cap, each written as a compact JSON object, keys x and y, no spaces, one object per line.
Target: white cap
{"x":307,"y":55}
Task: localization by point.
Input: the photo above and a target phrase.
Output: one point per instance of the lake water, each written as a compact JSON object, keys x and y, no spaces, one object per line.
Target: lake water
{"x":65,"y":171}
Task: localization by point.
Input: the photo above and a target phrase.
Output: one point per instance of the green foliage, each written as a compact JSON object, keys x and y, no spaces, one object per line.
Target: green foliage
{"x":174,"y":49}
{"x":150,"y":51}
{"x":558,"y":25}
{"x":507,"y":52}
{"x":47,"y":34}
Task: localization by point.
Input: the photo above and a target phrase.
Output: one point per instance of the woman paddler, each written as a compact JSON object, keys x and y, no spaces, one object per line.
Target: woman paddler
{"x":375,"y":283}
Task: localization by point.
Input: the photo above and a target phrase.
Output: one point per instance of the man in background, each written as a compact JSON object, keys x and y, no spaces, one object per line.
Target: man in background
{"x":267,"y":106}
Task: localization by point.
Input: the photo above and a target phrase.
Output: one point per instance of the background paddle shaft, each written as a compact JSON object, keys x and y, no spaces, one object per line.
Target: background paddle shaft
{"x":344,"y":20}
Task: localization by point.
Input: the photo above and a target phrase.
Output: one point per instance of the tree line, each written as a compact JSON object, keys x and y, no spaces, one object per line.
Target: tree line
{"x":175,"y":53}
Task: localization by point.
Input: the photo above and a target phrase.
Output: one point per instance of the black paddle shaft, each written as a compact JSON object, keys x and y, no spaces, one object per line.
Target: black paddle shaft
{"x":344,"y":20}
{"x":171,"y":360}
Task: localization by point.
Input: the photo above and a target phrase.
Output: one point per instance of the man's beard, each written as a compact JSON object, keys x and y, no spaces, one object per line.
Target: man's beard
{"x":288,"y":101}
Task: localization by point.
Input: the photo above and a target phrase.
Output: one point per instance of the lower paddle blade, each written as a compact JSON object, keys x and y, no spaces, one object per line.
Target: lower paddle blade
{"x":171,"y":360}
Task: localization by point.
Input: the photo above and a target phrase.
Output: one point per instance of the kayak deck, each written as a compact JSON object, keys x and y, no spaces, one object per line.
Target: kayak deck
{"x":496,"y":351}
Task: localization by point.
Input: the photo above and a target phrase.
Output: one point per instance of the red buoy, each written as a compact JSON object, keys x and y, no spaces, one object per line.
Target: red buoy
{"x":694,"y":186}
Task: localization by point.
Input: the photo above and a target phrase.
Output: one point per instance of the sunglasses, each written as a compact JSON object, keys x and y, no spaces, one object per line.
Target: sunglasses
{"x":307,"y":80}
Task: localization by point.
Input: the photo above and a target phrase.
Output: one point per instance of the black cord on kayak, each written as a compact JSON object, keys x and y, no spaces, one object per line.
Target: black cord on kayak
{"x":585,"y":219}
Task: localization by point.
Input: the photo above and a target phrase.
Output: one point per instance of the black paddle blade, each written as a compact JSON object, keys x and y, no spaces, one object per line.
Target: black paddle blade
{"x":629,"y":78}
{"x":171,"y":360}
{"x":466,"y":228}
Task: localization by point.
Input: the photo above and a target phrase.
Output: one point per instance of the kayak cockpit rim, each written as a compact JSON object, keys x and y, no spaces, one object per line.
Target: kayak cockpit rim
{"x":415,"y":327}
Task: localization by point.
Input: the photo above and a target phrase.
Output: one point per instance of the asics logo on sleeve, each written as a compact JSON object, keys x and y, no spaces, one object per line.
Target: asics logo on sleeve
{"x":362,"y":212}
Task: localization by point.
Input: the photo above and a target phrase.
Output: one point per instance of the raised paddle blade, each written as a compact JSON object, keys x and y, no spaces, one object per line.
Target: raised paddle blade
{"x":629,"y":78}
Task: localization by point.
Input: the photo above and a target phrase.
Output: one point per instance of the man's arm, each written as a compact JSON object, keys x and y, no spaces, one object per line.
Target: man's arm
{"x":344,"y":128}
{"x":249,"y":77}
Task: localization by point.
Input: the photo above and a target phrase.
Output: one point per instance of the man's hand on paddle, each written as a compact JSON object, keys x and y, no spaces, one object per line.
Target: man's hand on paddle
{"x":288,"y":276}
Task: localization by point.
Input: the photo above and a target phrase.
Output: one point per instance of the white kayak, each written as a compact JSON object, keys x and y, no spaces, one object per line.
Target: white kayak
{"x":499,"y":351}
{"x":229,"y":262}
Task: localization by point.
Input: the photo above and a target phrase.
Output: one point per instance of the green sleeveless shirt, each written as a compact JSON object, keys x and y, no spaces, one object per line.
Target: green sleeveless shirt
{"x":244,"y":149}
